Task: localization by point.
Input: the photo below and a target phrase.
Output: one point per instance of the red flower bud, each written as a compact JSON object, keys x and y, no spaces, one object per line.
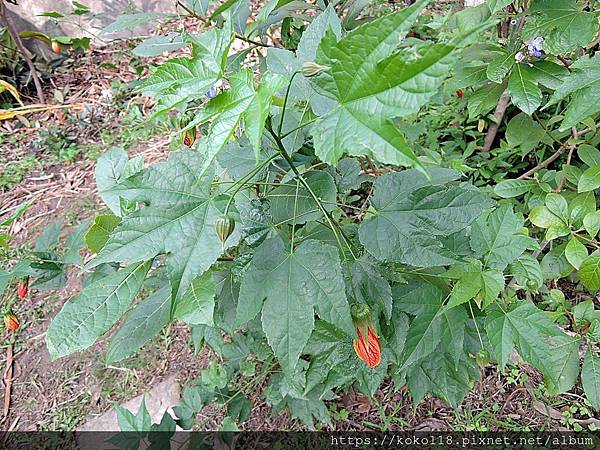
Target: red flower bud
{"x":23,"y":288}
{"x":189,"y":137}
{"x":459,"y":93}
{"x":56,"y":47}
{"x":367,"y":345}
{"x":11,"y":321}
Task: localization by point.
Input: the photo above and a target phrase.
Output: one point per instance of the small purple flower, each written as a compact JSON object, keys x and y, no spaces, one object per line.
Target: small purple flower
{"x":537,"y":53}
{"x":534,"y":46}
{"x":212,"y":92}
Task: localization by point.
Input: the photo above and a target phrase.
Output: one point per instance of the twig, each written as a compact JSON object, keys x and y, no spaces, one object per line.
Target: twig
{"x":544,"y":163}
{"x":19,"y":43}
{"x":207,"y":22}
{"x":498,"y":115}
{"x":8,"y":378}
{"x":561,"y":185}
{"x":546,"y":130}
{"x":565,"y":62}
{"x":575,"y":134}
{"x":563,"y":179}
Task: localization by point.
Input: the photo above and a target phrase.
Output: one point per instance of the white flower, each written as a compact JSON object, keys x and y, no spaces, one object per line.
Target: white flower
{"x":106,"y":95}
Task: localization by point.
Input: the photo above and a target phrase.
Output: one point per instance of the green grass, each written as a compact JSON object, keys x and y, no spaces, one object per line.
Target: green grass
{"x":15,"y":171}
{"x":127,"y":126}
{"x":69,"y":413}
{"x":387,"y":418}
{"x":485,"y":420}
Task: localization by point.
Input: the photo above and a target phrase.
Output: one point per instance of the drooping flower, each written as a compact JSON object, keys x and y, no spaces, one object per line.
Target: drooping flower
{"x":224,"y":226}
{"x":534,"y":46}
{"x":11,"y":321}
{"x":56,"y":47}
{"x":367,"y":345}
{"x":188,"y":134}
{"x":23,"y":288}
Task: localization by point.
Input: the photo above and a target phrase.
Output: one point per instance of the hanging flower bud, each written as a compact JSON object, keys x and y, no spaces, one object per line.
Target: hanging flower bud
{"x":23,"y":288}
{"x":482,"y":357}
{"x":188,"y":137}
{"x":367,"y":345}
{"x":459,"y":93}
{"x":311,"y":69}
{"x":56,"y":48}
{"x":11,"y":321}
{"x":224,"y":226}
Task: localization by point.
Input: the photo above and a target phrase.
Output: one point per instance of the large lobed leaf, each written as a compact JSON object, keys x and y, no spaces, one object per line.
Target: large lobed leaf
{"x":414,"y":215}
{"x":179,"y":220}
{"x":292,"y":284}
{"x":562,"y":23}
{"x":284,"y":61}
{"x":227,"y":111}
{"x":141,"y":325}
{"x":496,"y":237}
{"x":372,"y":83}
{"x":583,"y":85}
{"x":94,"y":311}
{"x":440,"y":375}
{"x":538,"y":340}
{"x":291,"y":203}
{"x":180,"y":80}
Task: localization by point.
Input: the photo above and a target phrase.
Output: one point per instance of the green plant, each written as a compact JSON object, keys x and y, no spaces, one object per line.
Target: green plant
{"x":516,"y":377}
{"x":15,"y":171}
{"x":428,"y":271}
{"x":60,"y":144}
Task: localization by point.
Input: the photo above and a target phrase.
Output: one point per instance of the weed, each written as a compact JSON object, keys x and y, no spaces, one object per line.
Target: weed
{"x":15,"y":171}
{"x":516,"y":377}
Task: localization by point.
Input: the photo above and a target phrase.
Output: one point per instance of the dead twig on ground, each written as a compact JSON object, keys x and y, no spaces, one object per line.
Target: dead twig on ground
{"x":8,"y":378}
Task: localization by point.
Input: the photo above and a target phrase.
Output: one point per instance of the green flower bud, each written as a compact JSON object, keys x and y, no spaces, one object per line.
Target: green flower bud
{"x":311,"y":69}
{"x":188,"y":137}
{"x":224,"y":226}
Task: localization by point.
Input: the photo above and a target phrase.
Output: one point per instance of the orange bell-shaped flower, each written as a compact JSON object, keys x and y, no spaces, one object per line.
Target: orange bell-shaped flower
{"x":11,"y":321}
{"x":367,"y":345}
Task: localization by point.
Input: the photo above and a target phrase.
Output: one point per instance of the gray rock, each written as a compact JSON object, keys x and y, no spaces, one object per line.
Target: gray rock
{"x":160,"y":399}
{"x":26,"y":16}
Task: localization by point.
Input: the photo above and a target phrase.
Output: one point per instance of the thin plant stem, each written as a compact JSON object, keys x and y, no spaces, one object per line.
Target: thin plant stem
{"x":283,"y":153}
{"x":476,"y":326}
{"x":242,"y":181}
{"x":284,"y":135}
{"x":285,"y":100}
{"x":24,"y":52}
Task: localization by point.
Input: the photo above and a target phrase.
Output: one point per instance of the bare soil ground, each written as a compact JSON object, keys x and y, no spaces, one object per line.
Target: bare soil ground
{"x":59,"y":395}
